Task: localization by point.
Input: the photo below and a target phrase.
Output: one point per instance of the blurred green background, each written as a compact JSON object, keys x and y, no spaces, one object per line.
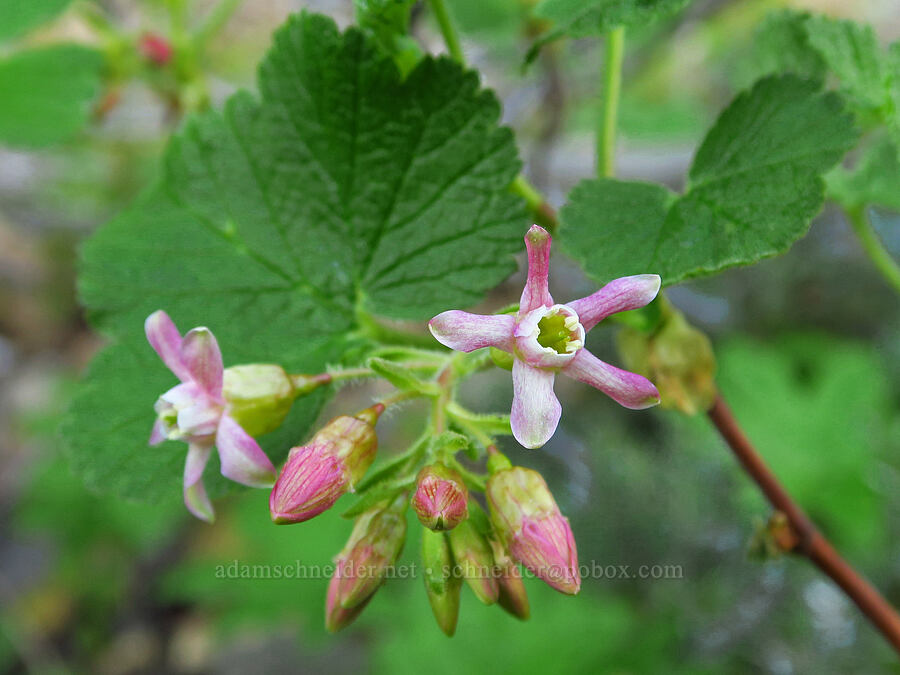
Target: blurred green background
{"x":808,"y":353}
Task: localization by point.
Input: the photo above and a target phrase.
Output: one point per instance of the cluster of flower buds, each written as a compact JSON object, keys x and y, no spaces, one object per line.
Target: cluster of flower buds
{"x":525,"y":527}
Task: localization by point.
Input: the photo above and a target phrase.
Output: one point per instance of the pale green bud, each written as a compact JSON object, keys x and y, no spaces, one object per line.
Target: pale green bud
{"x":442,"y":583}
{"x":259,"y":396}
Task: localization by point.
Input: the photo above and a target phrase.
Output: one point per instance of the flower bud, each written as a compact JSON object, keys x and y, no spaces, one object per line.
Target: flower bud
{"x":441,"y":497}
{"x":259,"y":396}
{"x":442,"y":583}
{"x":315,"y":475}
{"x":513,"y":596}
{"x":337,"y":617}
{"x":374,"y":545}
{"x":677,"y":357}
{"x":155,"y":48}
{"x":534,"y":531}
{"x":475,"y":561}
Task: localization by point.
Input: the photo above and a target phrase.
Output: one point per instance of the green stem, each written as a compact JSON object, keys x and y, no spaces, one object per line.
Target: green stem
{"x":399,"y":396}
{"x":541,"y":211}
{"x":533,"y":199}
{"x":216,"y":20}
{"x":472,"y":429}
{"x":448,"y":30}
{"x":350,"y":374}
{"x":178,"y":19}
{"x":874,"y":247}
{"x":612,"y":84}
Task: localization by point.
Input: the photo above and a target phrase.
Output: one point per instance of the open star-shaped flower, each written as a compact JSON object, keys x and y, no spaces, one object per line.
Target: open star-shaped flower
{"x":197,"y":413}
{"x":547,"y":338}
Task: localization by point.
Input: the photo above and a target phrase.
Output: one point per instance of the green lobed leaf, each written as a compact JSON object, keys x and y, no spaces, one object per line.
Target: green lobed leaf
{"x":46,"y":94}
{"x":583,"y":18}
{"x":893,"y":114}
{"x":755,"y":184}
{"x":276,"y":216}
{"x":874,"y":180}
{"x":781,"y":45}
{"x":851,"y":51}
{"x":17,"y":17}
{"x":814,"y":45}
{"x":387,"y":21}
{"x":357,"y":182}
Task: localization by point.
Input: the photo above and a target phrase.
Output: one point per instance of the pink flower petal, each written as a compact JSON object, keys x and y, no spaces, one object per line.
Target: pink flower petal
{"x":619,"y":295}
{"x":535,"y":408}
{"x":628,"y":389}
{"x":166,"y":340}
{"x":536,"y":292}
{"x":183,"y":395}
{"x":200,"y":419}
{"x":466,"y":332}
{"x":195,"y":497}
{"x":243,"y":461}
{"x":158,"y":433}
{"x":203,"y":360}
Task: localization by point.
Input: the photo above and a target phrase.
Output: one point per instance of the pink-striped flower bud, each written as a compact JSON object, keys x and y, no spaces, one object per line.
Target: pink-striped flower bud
{"x":373,"y":547}
{"x":315,"y":475}
{"x":441,"y":498}
{"x":474,"y":560}
{"x":534,"y":531}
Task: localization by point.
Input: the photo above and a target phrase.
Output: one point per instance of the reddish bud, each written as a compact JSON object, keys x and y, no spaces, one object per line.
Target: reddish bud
{"x":155,"y":48}
{"x":441,"y":498}
{"x":315,"y":475}
{"x":374,"y":545}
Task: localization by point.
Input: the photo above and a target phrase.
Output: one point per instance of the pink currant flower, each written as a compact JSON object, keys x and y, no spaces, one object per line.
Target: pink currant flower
{"x":196,"y":412}
{"x":546,"y":338}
